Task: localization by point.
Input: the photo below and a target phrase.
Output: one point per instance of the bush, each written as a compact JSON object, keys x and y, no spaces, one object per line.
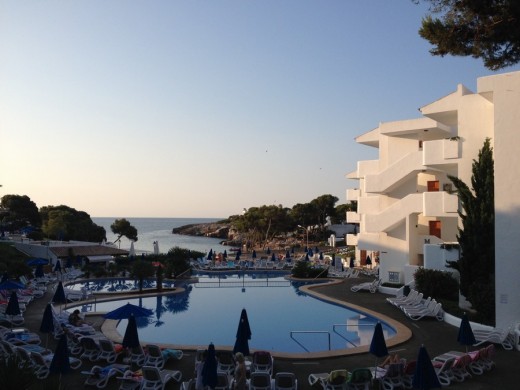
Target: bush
{"x":303,"y":270}
{"x":15,"y":374}
{"x":436,"y":284}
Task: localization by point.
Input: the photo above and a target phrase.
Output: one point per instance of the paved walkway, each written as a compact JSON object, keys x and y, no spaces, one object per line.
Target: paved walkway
{"x":437,"y":337}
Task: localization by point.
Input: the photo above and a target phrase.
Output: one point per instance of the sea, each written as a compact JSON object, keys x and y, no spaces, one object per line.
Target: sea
{"x":150,"y":230}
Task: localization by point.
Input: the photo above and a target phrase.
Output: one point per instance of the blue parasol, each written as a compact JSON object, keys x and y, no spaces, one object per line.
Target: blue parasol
{"x":268,"y":251}
{"x":60,"y":361}
{"x":243,"y":334}
{"x":11,"y":285}
{"x":59,"y":294}
{"x":210,"y":254}
{"x":424,"y":376}
{"x":57,"y":266}
{"x":128,"y":310}
{"x":209,"y":370}
{"x":321,"y":256}
{"x":47,"y":325}
{"x":131,"y":337}
{"x":288,"y":254}
{"x":466,"y":336}
{"x":237,"y":257}
{"x":13,"y":307}
{"x":37,"y":261}
{"x":253,"y":256}
{"x":273,"y":257}
{"x":38,"y":272}
{"x":378,"y":344}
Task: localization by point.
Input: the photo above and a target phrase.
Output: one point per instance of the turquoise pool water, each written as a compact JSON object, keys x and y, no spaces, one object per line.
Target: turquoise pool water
{"x":282,"y":318}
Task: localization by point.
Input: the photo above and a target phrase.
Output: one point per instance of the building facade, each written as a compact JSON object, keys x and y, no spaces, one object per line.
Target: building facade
{"x":406,"y":201}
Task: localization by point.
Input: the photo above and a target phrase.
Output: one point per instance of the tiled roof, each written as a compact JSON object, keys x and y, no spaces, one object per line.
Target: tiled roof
{"x":87,"y":250}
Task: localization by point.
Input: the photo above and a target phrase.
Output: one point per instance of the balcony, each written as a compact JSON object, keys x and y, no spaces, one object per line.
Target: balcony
{"x":441,"y":152}
{"x":353,"y":194}
{"x":353,"y":217}
{"x":395,"y":174}
{"x":352,"y":239}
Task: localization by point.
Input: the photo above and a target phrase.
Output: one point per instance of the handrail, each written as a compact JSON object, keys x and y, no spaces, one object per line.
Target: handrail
{"x":308,"y":331}
{"x":324,"y":269}
{"x":340,"y":335}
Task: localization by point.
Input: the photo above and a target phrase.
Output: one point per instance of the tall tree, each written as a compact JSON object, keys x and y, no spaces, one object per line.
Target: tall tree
{"x":477,"y":235}
{"x":324,"y":206}
{"x":123,"y":228}
{"x":18,"y":211}
{"x":487,"y":29}
{"x":142,"y":270}
{"x":66,"y":223}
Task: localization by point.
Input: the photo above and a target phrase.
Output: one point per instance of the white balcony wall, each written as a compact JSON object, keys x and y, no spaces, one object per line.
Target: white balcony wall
{"x":368,"y":204}
{"x":441,"y":151}
{"x":353,"y":217}
{"x":394,"y":174}
{"x":353,"y":194}
{"x":440,"y":204}
{"x":352,"y":239}
{"x":367,"y":167}
{"x":393,"y":215}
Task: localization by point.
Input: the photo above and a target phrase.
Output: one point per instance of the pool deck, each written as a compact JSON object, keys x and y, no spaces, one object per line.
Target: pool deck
{"x":437,"y":337}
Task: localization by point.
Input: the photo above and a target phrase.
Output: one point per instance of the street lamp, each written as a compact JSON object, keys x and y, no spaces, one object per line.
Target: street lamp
{"x":306,"y":234}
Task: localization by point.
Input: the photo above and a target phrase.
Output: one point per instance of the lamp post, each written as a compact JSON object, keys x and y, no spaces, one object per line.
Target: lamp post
{"x":306,"y":234}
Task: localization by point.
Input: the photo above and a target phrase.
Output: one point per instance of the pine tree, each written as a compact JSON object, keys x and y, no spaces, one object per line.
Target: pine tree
{"x":477,"y":235}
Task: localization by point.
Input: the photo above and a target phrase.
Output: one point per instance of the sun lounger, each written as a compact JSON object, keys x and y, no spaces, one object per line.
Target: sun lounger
{"x":285,"y":381}
{"x":495,"y":336}
{"x":153,"y":378}
{"x":99,"y":376}
{"x":435,"y":312}
{"x":367,"y":286}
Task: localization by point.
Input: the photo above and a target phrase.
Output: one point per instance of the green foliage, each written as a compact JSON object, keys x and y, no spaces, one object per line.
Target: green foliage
{"x":13,"y":261}
{"x":436,"y":284}
{"x":141,"y":270}
{"x":477,"y":235}
{"x":304,"y":270}
{"x":17,"y":211}
{"x":15,"y":374}
{"x":178,"y":261}
{"x":65,"y":223}
{"x":480,"y":29}
{"x":122,"y":227}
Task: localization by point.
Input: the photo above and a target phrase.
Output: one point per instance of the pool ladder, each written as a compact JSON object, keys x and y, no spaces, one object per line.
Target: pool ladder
{"x":334,"y":330}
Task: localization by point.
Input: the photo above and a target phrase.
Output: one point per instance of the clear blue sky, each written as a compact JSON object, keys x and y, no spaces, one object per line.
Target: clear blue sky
{"x":202,"y":108}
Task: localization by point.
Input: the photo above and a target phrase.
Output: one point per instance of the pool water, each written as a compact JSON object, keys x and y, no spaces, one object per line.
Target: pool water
{"x":282,"y":318}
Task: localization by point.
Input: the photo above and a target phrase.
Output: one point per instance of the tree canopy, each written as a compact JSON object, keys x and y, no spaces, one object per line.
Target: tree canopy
{"x":123,"y":228}
{"x":477,"y":235}
{"x":18,"y":211}
{"x":486,"y":29}
{"x":65,"y":223}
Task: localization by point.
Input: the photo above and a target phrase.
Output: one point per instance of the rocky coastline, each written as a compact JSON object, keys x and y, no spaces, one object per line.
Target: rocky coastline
{"x":212,"y":229}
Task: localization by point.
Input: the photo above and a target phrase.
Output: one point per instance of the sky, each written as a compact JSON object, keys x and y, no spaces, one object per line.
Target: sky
{"x":172,"y":108}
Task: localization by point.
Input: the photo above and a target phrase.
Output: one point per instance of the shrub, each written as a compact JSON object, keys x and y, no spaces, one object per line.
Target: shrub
{"x":436,"y":284}
{"x":15,"y":374}
{"x":304,"y":270}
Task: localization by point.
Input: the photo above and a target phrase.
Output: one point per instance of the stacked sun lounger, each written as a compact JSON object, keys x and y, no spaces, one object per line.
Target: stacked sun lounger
{"x":415,"y":307}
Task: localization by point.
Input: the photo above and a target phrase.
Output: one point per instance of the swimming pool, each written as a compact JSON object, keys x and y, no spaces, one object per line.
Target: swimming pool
{"x":282,"y":318}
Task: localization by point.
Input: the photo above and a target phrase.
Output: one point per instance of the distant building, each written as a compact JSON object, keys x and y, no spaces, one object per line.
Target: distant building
{"x":405,"y":199}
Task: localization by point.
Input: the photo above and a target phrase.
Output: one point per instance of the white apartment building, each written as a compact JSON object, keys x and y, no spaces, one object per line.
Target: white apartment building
{"x":404,"y":197}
